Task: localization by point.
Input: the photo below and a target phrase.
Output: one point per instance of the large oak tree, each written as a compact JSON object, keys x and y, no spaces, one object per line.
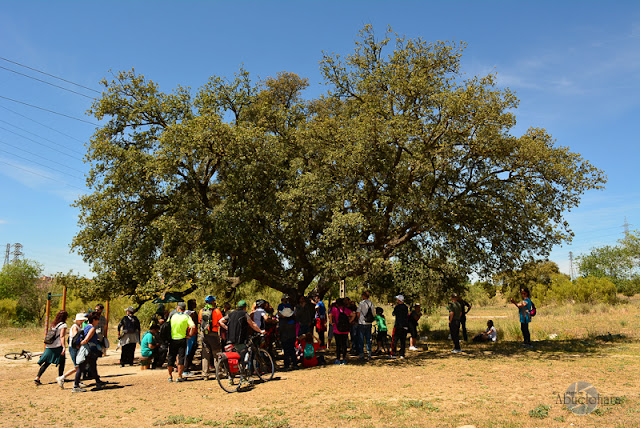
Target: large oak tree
{"x":402,"y":159}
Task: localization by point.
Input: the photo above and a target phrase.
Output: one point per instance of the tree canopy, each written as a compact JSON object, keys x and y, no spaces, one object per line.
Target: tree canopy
{"x":403,"y":159}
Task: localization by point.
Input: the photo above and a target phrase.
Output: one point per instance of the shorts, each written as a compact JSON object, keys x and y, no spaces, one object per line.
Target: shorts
{"x":382,"y":336}
{"x":177,"y":348}
{"x":72,"y":353}
{"x":413,"y":330}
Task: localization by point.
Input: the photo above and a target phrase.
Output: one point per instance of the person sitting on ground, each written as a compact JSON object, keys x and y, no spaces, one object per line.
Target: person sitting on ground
{"x":148,"y":346}
{"x":489,"y":335}
{"x":381,"y":338}
{"x":310,"y":355}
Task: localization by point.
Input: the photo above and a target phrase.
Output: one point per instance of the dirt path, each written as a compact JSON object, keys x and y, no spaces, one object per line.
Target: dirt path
{"x":487,"y":385}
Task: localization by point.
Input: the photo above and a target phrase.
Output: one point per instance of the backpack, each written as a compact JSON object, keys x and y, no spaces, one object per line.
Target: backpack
{"x":343,"y":324}
{"x":165,"y":331}
{"x":309,"y":352}
{"x":79,"y":337}
{"x":368,"y":317}
{"x":51,"y":335}
{"x":533,"y":311}
{"x":205,"y":321}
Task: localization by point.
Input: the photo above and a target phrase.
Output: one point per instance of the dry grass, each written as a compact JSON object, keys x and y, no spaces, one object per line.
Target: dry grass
{"x":499,"y":384}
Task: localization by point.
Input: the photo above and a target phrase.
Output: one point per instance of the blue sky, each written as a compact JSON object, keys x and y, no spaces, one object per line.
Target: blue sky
{"x":574,"y":65}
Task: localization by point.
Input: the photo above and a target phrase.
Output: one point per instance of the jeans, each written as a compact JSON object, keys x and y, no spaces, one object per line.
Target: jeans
{"x":364,"y":336}
{"x":90,"y":363}
{"x":400,"y":335}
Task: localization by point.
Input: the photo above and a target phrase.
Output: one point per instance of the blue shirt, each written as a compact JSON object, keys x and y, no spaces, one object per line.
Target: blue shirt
{"x":322,"y":310}
{"x":525,"y":311}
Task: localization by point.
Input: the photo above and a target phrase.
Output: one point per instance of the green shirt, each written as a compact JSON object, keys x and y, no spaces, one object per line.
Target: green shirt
{"x":180,"y":322}
{"x":147,"y":340}
{"x":382,"y":323}
{"x":456,"y":308}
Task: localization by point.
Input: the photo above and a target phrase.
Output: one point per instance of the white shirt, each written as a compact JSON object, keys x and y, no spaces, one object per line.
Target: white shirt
{"x":363,"y":308}
{"x":493,"y":334}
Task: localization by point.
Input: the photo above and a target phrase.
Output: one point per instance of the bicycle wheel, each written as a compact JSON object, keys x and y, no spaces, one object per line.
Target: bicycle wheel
{"x":228,"y":381}
{"x":263,"y":365}
{"x":15,"y":355}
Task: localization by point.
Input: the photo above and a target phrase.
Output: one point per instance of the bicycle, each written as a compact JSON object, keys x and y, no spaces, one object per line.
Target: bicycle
{"x":387,"y":342}
{"x":231,"y":373}
{"x":19,"y":355}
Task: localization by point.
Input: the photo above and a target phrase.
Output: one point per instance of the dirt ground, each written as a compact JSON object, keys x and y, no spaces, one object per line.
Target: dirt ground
{"x":497,"y":385}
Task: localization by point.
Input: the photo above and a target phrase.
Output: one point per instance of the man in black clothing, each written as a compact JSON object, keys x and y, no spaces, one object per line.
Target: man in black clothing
{"x":466,"y":307}
{"x":401,"y":327}
{"x":237,"y":325}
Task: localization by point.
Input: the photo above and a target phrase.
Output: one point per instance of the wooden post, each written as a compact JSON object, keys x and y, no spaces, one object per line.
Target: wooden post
{"x":343,"y":288}
{"x":46,"y":318}
{"x":64,"y":298}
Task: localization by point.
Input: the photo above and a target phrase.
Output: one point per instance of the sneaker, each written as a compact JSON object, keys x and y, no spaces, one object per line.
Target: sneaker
{"x":337,"y":362}
{"x":412,"y":348}
{"x":60,"y":380}
{"x":78,"y":389}
{"x":402,"y":357}
{"x":37,"y":382}
{"x":169,"y":379}
{"x":180,"y":379}
{"x":343,"y":362}
{"x":82,"y":385}
{"x":456,"y":351}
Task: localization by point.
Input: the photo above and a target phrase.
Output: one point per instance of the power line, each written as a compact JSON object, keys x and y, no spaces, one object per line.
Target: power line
{"x":41,"y":157}
{"x":39,"y":136}
{"x":50,"y":111}
{"x":41,"y":164}
{"x":41,"y":144}
{"x":50,"y":75}
{"x":41,"y":124}
{"x":48,"y":83}
{"x":41,"y":175}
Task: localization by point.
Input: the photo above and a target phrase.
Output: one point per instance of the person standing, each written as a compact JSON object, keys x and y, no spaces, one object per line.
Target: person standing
{"x":129,"y":336}
{"x":287,"y":328}
{"x":182,"y":327}
{"x":237,"y":326}
{"x":414,"y":319}
{"x":75,"y":329}
{"x":192,"y":342}
{"x":401,"y":326}
{"x":321,"y":319}
{"x":209,"y":318}
{"x":304,"y":314}
{"x":341,"y":318}
{"x":54,"y":352}
{"x":466,"y":307}
{"x":366,"y":316}
{"x":524,"y":309}
{"x":455,"y":312}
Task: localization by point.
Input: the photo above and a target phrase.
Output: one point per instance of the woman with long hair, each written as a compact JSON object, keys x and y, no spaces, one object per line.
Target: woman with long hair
{"x":90,"y":352}
{"x":54,"y":352}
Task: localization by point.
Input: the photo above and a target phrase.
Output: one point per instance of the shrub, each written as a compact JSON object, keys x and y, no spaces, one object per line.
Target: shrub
{"x":7,"y":311}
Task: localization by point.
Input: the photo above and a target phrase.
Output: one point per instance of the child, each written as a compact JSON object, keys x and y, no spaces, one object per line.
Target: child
{"x":491,"y":334}
{"x":381,"y":323}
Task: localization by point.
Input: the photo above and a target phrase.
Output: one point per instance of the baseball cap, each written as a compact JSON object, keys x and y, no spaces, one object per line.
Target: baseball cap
{"x":182,"y":305}
{"x":241,"y":304}
{"x":209,"y":299}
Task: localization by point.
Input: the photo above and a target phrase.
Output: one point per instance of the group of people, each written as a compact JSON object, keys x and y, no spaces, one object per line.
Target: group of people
{"x":172,"y":337}
{"x":85,"y":344}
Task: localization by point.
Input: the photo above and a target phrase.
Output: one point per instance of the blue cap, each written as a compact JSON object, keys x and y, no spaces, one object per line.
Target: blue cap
{"x":209,"y":299}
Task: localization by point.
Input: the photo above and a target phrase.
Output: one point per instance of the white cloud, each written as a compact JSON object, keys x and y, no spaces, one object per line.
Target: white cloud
{"x":3,"y":221}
